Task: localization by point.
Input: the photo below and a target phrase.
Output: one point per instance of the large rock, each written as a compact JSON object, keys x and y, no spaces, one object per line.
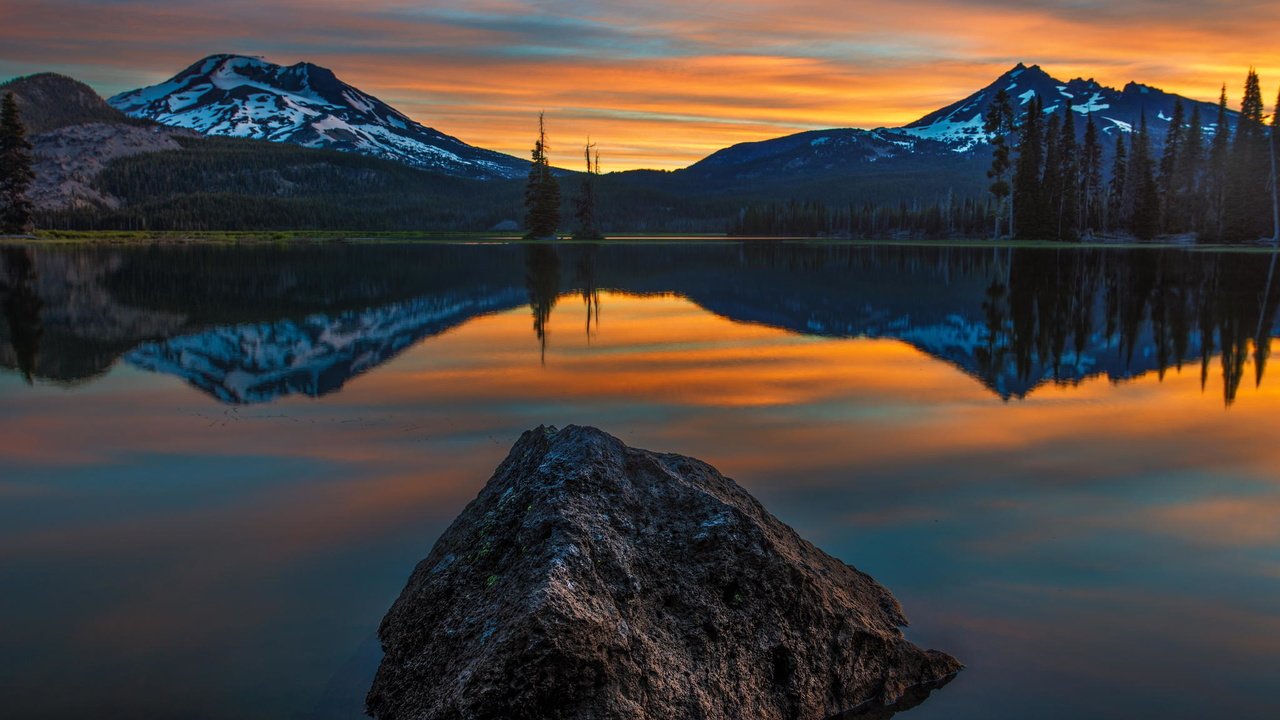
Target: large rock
{"x":593,"y":580}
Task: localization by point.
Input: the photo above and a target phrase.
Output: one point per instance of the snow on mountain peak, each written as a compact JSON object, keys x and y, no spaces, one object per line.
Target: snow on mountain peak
{"x":960,"y":125}
{"x":305,"y":104}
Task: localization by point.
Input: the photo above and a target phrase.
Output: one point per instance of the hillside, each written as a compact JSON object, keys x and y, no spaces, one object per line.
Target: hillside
{"x":49,"y":101}
{"x":230,"y":184}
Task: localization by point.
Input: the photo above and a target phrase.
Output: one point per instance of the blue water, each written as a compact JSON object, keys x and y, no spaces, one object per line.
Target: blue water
{"x":221,"y":464}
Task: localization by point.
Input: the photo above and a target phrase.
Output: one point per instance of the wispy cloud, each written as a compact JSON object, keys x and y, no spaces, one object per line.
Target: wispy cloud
{"x":661,"y":83}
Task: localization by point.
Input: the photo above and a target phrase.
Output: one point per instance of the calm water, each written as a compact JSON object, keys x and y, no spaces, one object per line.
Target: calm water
{"x":219,"y":465}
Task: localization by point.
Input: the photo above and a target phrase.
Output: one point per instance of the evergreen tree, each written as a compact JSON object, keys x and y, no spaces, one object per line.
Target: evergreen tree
{"x":1169,"y":164}
{"x":588,"y":229}
{"x":999,"y":125}
{"x":1246,"y":207}
{"x":1092,"y":205}
{"x":1116,"y":216}
{"x":16,"y":175}
{"x":1275,"y":172}
{"x":1029,"y":171}
{"x":1216,"y":177}
{"x":1145,"y":220}
{"x":1069,"y":171}
{"x":1051,"y":180}
{"x":1190,"y":205}
{"x":542,"y":193}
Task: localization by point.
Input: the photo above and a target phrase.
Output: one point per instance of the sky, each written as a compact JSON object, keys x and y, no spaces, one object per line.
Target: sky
{"x":658,"y":83}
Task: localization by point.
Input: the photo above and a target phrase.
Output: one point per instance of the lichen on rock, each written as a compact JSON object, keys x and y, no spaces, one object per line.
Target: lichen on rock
{"x":593,"y":580}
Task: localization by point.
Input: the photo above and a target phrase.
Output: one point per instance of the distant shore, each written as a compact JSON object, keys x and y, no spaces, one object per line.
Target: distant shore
{"x":289,"y":237}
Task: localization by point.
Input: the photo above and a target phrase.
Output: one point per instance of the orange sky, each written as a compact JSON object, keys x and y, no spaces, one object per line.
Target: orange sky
{"x":657,"y":84}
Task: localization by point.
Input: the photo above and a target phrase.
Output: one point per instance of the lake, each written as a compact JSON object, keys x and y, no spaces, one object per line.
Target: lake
{"x":221,"y":463}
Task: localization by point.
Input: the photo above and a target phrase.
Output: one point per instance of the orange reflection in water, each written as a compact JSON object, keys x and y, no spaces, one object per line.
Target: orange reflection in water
{"x":228,"y":507}
{"x":662,"y":371}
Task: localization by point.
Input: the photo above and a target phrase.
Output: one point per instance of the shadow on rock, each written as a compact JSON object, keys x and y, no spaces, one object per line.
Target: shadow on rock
{"x":593,"y":580}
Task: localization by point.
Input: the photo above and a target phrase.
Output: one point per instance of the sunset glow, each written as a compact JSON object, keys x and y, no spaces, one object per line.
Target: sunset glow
{"x":657,"y":84}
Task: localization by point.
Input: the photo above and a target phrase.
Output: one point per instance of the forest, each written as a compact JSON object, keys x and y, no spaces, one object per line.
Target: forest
{"x":1048,"y":184}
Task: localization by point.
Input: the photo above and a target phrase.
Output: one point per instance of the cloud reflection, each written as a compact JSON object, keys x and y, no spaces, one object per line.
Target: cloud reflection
{"x":1081,"y":523}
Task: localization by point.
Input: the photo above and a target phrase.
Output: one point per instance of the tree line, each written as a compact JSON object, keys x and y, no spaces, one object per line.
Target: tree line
{"x":949,"y":217}
{"x":1218,"y":186}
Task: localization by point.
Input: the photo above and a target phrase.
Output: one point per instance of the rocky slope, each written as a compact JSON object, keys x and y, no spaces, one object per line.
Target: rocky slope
{"x":74,"y":135}
{"x":67,"y":160}
{"x":594,"y":580}
{"x":304,"y":104}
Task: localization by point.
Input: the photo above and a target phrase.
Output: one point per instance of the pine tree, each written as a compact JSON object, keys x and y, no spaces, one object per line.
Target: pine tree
{"x":1116,"y":216}
{"x":588,"y":229}
{"x":1187,"y":195}
{"x":1216,"y":176}
{"x":1145,"y":221}
{"x":1092,"y":200}
{"x":542,"y":193}
{"x":16,"y":174}
{"x":1052,"y":178}
{"x":1275,"y":172}
{"x":1246,"y":206}
{"x":1028,"y":220}
{"x":999,"y":125}
{"x":1169,"y":163}
{"x":1069,"y":195}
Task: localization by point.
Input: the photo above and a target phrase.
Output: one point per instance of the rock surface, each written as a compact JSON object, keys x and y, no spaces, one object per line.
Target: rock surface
{"x":593,"y":580}
{"x":67,"y":160}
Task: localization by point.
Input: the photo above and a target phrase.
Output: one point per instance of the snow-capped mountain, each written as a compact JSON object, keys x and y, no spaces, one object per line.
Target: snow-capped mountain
{"x":1114,"y":111}
{"x":305,"y":104}
{"x":951,"y":135}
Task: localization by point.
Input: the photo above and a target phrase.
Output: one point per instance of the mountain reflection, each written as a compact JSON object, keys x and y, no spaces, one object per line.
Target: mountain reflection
{"x":248,"y":325}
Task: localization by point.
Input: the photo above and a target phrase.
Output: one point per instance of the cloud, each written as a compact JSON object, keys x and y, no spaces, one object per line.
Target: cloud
{"x":662,"y":83}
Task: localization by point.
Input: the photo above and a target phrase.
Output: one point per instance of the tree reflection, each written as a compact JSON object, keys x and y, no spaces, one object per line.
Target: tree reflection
{"x":1159,"y":307}
{"x":586,"y":281}
{"x":542,"y":278}
{"x":22,"y":307}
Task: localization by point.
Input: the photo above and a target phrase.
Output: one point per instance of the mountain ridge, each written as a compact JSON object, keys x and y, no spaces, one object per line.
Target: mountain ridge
{"x":954,"y":131}
{"x":305,"y":104}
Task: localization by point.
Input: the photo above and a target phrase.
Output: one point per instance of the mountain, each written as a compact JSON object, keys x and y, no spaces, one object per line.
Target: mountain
{"x":949,"y":141}
{"x":49,"y":101}
{"x":305,"y":104}
{"x":397,"y":174}
{"x":96,"y":167}
{"x":1114,"y":111}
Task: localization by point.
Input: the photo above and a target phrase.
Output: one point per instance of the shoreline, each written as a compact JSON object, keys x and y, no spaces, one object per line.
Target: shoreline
{"x":96,"y":238}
